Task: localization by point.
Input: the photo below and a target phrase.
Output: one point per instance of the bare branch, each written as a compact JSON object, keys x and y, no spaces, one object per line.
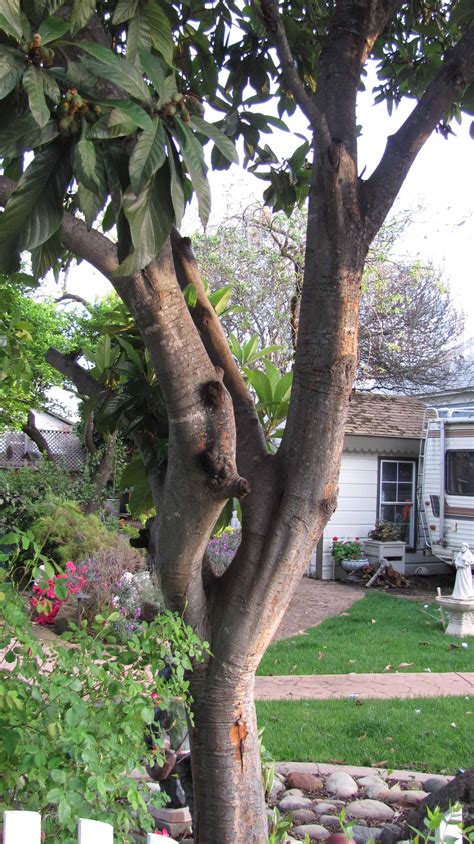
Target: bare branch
{"x":380,"y":191}
{"x":35,"y":434}
{"x":73,"y":297}
{"x":277,"y":33}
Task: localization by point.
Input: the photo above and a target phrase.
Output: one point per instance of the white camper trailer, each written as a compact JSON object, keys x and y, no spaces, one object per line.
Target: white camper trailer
{"x":446,"y":493}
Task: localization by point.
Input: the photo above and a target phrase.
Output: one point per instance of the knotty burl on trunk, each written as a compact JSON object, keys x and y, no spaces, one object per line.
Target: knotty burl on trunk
{"x":216,"y":448}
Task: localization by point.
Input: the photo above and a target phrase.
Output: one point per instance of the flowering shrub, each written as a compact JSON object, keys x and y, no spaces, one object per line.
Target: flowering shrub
{"x":104,"y":570}
{"x":138,"y":597}
{"x":49,"y":595}
{"x":346,"y":549}
{"x":72,"y":735}
{"x":222,"y":549}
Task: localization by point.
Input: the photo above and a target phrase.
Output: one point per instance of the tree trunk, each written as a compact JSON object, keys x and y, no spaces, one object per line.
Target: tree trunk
{"x":227,"y":776}
{"x":104,"y":472}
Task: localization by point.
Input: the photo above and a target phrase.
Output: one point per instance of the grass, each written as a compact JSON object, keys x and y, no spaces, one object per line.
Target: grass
{"x":378,"y":633}
{"x":390,"y":734}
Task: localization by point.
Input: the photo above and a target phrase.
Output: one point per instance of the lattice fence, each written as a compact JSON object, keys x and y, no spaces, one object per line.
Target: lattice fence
{"x":17,"y":450}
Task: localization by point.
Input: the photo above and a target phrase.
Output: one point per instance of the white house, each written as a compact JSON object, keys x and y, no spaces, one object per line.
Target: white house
{"x":378,"y":478}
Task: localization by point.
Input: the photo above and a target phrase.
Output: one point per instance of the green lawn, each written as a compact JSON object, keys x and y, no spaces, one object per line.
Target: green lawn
{"x":392,"y":733}
{"x":376,"y":632}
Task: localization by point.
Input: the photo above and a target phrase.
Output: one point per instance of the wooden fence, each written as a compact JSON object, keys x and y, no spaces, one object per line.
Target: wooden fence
{"x":25,"y":828}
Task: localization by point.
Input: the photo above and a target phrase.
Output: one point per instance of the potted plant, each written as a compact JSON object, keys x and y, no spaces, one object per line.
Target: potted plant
{"x":348,"y":554}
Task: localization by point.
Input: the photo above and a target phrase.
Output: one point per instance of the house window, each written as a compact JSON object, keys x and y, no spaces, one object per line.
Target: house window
{"x":460,"y":472}
{"x":397,"y":496}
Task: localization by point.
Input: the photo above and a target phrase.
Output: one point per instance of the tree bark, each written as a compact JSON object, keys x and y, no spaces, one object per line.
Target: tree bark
{"x":104,"y":472}
{"x":228,"y":789}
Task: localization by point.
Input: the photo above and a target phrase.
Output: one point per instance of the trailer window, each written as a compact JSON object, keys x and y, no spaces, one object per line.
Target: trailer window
{"x":460,"y":472}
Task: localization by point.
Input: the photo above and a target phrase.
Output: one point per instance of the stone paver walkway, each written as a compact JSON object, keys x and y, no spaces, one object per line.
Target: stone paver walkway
{"x":330,"y":686}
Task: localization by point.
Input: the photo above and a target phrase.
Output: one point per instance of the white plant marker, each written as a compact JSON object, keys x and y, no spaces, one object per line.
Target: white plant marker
{"x":21,"y":828}
{"x":155,"y":838}
{"x":449,"y":829}
{"x":94,"y":832}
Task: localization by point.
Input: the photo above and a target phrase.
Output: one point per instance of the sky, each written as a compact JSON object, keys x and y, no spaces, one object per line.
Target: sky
{"x":440,"y":184}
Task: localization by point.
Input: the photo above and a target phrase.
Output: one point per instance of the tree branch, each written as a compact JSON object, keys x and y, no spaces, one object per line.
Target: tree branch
{"x":250,"y":438}
{"x":276,"y":31}
{"x":380,"y":190}
{"x":36,"y":436}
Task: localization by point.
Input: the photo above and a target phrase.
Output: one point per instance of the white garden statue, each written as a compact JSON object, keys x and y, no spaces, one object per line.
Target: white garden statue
{"x":463,"y":561}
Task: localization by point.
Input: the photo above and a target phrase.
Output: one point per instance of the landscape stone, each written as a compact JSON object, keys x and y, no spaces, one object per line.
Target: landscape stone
{"x":303,"y":816}
{"x":371,"y":779}
{"x":362,"y":834}
{"x":329,"y":820}
{"x":291,"y":802}
{"x":296,"y":792}
{"x":390,"y":833}
{"x":435,"y":783}
{"x":323,"y":807}
{"x":307,"y":782}
{"x":378,"y":791}
{"x":369,"y":809}
{"x":409,"y":798}
{"x":314,"y":830}
{"x":414,"y":785}
{"x":341,"y":784}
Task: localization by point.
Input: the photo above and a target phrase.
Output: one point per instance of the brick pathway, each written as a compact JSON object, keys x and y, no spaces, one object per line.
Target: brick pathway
{"x":330,"y":686}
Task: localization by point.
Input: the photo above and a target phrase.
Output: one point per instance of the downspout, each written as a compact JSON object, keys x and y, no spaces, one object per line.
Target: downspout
{"x":442,"y":477}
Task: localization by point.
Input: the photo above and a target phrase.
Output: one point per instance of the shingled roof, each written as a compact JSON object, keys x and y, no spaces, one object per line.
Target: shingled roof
{"x":375,"y":415}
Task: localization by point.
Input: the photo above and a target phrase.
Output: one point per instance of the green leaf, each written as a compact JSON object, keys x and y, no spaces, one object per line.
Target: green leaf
{"x":190,"y":295}
{"x":124,"y":10}
{"x":85,"y":161}
{"x":176,"y":184}
{"x":82,"y":11}
{"x":262,"y":386}
{"x":10,"y":18}
{"x":150,"y":217}
{"x":60,"y":590}
{"x":221,"y":298}
{"x":127,"y":109}
{"x":12,"y":68}
{"x":138,"y":37}
{"x":121,"y":126}
{"x":52,"y":28}
{"x":222,"y":142}
{"x":45,"y":257}
{"x":160,"y":30}
{"x":91,"y":202}
{"x":148,"y":155}
{"x":23,"y":134}
{"x":34,"y":87}
{"x":152,"y":66}
{"x":35,"y":209}
{"x":193,"y":157}
{"x":115,"y":69}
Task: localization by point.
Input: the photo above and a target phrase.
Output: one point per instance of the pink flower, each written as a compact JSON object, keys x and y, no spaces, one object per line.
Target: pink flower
{"x":70,"y":566}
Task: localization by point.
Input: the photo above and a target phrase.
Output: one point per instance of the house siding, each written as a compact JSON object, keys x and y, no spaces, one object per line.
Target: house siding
{"x":356,"y":508}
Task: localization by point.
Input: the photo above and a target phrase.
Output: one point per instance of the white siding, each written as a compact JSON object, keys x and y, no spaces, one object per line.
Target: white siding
{"x":356,"y":508}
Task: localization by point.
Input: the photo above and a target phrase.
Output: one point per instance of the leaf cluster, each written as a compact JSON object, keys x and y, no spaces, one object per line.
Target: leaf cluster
{"x":72,"y":736}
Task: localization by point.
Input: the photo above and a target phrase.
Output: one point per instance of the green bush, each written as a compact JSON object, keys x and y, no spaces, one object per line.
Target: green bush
{"x":72,"y":736}
{"x":67,"y":534}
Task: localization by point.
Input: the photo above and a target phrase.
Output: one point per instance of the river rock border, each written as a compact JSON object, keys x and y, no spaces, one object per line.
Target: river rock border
{"x":375,"y":800}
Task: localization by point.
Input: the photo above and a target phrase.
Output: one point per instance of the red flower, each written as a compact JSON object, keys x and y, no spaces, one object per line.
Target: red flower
{"x":335,"y":538}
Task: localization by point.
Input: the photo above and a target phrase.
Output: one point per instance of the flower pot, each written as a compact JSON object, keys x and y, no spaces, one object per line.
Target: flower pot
{"x":354,"y":565}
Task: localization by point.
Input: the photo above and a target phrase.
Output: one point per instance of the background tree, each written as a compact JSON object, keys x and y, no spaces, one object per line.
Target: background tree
{"x":28,"y":327}
{"x":126,"y":133}
{"x":410,"y":332}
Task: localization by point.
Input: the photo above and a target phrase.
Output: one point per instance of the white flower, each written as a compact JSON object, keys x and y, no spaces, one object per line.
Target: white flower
{"x":428,"y":669}
{"x":417,"y":711}
{"x":464,"y":645}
